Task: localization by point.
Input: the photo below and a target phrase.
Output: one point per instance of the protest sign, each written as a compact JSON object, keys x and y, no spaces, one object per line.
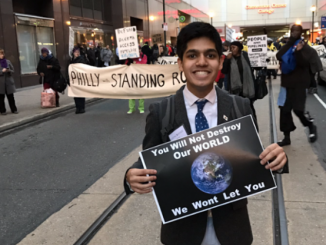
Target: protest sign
{"x":124,"y":82}
{"x":167,"y":60}
{"x":320,"y":49}
{"x":229,"y":34}
{"x":273,"y":62}
{"x":127,"y":42}
{"x":208,"y":169}
{"x":257,"y":50}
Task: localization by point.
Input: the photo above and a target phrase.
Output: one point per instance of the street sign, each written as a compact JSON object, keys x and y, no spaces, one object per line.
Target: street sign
{"x":323,"y":22}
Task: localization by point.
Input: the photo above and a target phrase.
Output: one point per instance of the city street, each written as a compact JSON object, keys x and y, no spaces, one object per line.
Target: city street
{"x":45,"y":166}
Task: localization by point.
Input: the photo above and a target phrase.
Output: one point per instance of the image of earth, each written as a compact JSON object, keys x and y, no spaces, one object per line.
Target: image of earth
{"x":211,"y":173}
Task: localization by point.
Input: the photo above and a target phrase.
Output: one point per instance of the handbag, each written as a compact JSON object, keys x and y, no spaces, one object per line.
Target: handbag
{"x":60,"y":85}
{"x":261,"y":89}
{"x":48,"y":99}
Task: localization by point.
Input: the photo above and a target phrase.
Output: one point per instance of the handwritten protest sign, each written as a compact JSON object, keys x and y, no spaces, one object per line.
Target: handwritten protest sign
{"x":257,"y":50}
{"x":208,"y":169}
{"x":124,"y":82}
{"x":127,"y":42}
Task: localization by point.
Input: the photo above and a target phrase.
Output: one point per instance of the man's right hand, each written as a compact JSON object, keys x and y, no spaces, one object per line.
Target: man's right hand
{"x":229,"y":56}
{"x":136,"y":177}
{"x":42,"y":74}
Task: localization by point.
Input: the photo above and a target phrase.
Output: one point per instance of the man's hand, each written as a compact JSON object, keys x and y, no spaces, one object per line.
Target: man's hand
{"x":229,"y":56}
{"x":4,"y":70}
{"x":275,"y":155}
{"x":136,"y":177}
{"x":300,"y":45}
{"x":42,"y":74}
{"x":49,"y":67}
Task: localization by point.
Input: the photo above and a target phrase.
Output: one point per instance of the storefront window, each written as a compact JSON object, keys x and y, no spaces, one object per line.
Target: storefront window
{"x":92,"y":9}
{"x":75,"y":7}
{"x":98,"y":10}
{"x":88,"y":9}
{"x":33,"y":34}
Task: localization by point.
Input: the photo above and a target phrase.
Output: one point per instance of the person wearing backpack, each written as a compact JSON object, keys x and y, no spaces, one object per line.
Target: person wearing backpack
{"x":197,"y":106}
{"x":48,"y":69}
{"x":78,"y":59}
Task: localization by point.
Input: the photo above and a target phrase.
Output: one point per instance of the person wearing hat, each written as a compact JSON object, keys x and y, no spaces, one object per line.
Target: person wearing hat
{"x":240,"y":75}
{"x":77,"y":58}
{"x":48,"y":69}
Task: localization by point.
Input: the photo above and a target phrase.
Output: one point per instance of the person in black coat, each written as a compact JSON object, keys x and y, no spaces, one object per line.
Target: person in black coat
{"x":48,"y":69}
{"x":91,"y":55}
{"x":78,"y":58}
{"x":148,"y":52}
{"x":240,"y":74}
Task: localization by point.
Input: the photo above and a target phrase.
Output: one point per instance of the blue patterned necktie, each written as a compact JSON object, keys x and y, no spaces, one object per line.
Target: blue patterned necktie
{"x":200,"y":119}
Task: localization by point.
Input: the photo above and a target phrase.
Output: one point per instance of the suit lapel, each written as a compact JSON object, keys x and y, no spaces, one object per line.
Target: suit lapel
{"x":181,"y":117}
{"x":224,"y":104}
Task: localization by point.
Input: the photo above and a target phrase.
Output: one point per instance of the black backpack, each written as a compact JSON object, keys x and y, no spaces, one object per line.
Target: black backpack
{"x":60,"y":85}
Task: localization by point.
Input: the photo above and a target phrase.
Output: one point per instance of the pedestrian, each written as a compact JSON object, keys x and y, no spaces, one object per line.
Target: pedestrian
{"x":226,"y":51}
{"x":161,"y":51}
{"x":91,"y":55}
{"x":297,"y":64}
{"x":106,"y":56}
{"x":323,"y":42}
{"x":240,"y":74}
{"x":146,"y":50}
{"x":98,"y":50}
{"x":155,"y":53}
{"x":48,"y":69}
{"x":199,"y":50}
{"x":7,"y":85}
{"x":78,"y":59}
{"x":141,"y":103}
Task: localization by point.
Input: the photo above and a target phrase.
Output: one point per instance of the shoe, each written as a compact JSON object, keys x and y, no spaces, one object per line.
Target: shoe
{"x":15,"y":112}
{"x":312,"y":133}
{"x":3,"y":113}
{"x":82,"y":111}
{"x":141,"y":111}
{"x":284,"y":142}
{"x":310,"y":119}
{"x":77,"y":111}
{"x":130,"y":111}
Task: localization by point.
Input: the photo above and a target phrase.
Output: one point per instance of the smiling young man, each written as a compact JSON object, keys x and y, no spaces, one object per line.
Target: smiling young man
{"x":200,"y":102}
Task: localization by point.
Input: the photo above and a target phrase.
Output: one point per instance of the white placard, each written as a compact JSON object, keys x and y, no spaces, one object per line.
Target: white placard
{"x":71,"y":40}
{"x":229,"y":34}
{"x":127,"y":42}
{"x":257,"y":50}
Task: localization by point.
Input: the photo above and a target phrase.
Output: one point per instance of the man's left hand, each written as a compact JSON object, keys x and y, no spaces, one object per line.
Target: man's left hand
{"x":275,"y":155}
{"x":49,"y":67}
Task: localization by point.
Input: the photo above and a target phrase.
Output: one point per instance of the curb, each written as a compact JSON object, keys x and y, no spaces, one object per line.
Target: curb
{"x":37,"y":117}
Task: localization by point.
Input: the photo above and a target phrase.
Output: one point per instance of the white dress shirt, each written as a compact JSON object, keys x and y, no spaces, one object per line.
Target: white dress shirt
{"x":210,"y":112}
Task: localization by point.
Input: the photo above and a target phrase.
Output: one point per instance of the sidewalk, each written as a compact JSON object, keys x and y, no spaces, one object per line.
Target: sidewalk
{"x":28,"y":101}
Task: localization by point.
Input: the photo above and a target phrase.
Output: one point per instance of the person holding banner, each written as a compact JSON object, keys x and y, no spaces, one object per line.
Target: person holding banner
{"x":298,"y":62}
{"x":141,"y":103}
{"x":240,"y":75}
{"x":199,"y":105}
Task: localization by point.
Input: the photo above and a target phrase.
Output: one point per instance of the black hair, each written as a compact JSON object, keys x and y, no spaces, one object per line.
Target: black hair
{"x":300,"y":26}
{"x":155,"y":46}
{"x":197,"y":30}
{"x":146,"y":43}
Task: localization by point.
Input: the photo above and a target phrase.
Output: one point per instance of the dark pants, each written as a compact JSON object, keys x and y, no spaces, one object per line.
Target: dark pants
{"x":295,"y":100}
{"x":11,"y":101}
{"x":271,"y":71}
{"x":80,"y":103}
{"x":313,"y":83}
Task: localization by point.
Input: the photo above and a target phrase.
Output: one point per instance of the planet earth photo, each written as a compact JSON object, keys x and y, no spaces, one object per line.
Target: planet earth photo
{"x":211,"y":173}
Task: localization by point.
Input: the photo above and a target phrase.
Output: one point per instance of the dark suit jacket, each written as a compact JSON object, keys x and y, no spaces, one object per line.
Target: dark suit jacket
{"x":231,"y":222}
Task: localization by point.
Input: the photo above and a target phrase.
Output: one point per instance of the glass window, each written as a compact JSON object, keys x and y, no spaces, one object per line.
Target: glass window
{"x":98,"y":10}
{"x":75,"y":7}
{"x":88,"y":8}
{"x":27,"y":50}
{"x":44,"y":36}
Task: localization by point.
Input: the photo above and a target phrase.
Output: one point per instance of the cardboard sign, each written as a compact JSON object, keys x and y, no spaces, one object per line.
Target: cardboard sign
{"x":208,"y":169}
{"x":127,"y":42}
{"x":257,"y":50}
{"x":229,"y":34}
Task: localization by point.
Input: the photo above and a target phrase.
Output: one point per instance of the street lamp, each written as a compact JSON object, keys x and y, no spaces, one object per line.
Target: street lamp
{"x":313,"y":9}
{"x":230,"y":25}
{"x":211,"y":15}
{"x":151,"y":18}
{"x":298,"y":22}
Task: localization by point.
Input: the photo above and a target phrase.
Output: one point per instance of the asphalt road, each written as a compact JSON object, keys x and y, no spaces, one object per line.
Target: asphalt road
{"x":45,"y":166}
{"x":318,"y":112}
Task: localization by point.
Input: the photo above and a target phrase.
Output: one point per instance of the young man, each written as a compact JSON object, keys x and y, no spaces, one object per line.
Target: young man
{"x":199,"y":49}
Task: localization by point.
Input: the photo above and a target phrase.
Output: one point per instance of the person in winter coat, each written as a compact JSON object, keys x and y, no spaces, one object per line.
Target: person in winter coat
{"x":48,"y":69}
{"x":146,"y":50}
{"x":77,"y":58}
{"x":106,"y":55}
{"x":7,"y":84}
{"x":98,"y":50}
{"x":91,"y":55}
{"x":240,"y":75}
{"x":132,"y":103}
{"x":155,"y":54}
{"x":298,"y":62}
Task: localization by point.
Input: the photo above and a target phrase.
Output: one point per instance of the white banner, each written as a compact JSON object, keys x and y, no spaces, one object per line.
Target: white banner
{"x":127,"y":42}
{"x":167,"y":60}
{"x":257,"y":50}
{"x":124,"y":82}
{"x":321,"y":50}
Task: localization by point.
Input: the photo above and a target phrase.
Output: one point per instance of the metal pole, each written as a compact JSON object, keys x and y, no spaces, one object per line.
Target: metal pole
{"x":164,"y":23}
{"x":312,"y":27}
{"x":211,"y":20}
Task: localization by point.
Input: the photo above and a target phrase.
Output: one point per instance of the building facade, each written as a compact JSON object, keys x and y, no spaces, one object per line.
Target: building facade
{"x":27,"y":26}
